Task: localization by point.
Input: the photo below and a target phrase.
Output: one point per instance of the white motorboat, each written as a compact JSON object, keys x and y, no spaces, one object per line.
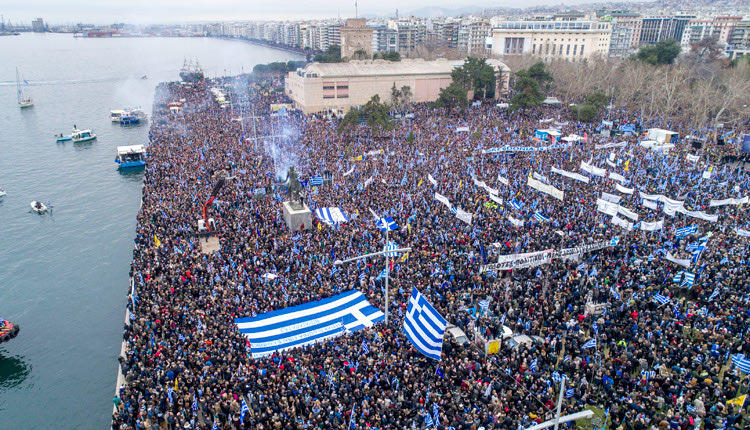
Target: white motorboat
{"x":2,"y":192}
{"x":82,"y":135}
{"x":116,"y":114}
{"x":38,"y":207}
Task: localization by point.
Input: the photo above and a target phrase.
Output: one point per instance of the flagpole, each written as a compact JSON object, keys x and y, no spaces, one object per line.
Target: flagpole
{"x":387,"y":272}
{"x":559,"y":402}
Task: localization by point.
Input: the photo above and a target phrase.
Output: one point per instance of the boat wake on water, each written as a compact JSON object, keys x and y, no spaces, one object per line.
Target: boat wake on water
{"x":70,"y":81}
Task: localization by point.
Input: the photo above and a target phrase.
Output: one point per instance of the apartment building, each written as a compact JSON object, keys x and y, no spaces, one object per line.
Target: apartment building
{"x":655,"y":29}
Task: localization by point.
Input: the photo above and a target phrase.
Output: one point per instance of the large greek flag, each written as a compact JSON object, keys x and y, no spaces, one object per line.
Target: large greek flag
{"x":331,"y":216}
{"x":424,"y":326}
{"x":308,"y":323}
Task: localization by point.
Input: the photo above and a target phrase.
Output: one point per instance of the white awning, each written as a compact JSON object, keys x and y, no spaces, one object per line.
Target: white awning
{"x":122,"y":150}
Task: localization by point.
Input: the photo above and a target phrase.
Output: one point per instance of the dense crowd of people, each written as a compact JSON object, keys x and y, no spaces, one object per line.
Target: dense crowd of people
{"x":663,"y":353}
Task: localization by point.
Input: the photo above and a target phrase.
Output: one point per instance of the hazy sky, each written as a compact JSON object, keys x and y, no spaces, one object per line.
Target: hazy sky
{"x":158,"y":11}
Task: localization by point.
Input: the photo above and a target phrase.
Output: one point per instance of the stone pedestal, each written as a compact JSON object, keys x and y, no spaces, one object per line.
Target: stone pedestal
{"x":296,"y":216}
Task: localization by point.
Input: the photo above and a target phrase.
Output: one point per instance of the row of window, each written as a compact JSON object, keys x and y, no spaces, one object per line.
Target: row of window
{"x":569,"y":25}
{"x":559,"y":50}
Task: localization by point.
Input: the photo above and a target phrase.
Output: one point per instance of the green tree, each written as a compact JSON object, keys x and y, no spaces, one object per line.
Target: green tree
{"x":540,"y":74}
{"x":332,"y":55}
{"x":389,"y":56}
{"x":475,"y":74}
{"x":374,"y":113}
{"x":359,"y":54}
{"x":452,"y":96}
{"x":662,"y":52}
{"x":598,"y":99}
{"x":586,"y":112}
{"x":405,"y":96}
{"x":395,"y":96}
{"x":528,"y":86}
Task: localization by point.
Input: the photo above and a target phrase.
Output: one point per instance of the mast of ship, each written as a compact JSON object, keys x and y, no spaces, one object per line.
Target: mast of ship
{"x":18,"y":86}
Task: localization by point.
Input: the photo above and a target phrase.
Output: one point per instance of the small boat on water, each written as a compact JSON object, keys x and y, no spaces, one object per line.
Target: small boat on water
{"x":82,"y":135}
{"x":8,"y":330}
{"x":128,"y":116}
{"x":2,"y":192}
{"x":131,"y":157}
{"x":116,"y":114}
{"x":62,"y":138}
{"x":38,"y":207}
{"x":23,"y":101}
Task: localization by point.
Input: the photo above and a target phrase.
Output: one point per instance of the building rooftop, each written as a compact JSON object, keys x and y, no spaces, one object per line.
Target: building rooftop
{"x":383,"y":67}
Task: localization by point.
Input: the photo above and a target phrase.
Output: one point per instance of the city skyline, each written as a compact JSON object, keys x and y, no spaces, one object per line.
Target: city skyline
{"x":174,"y":11}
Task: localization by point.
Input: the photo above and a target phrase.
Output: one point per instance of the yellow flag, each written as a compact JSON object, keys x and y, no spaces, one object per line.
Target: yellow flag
{"x":175,"y":384}
{"x":320,"y":227}
{"x":460,"y":184}
{"x":157,"y":242}
{"x":627,"y":165}
{"x":404,"y":257}
{"x":420,"y":182}
{"x":739,"y":401}
{"x":409,"y":227}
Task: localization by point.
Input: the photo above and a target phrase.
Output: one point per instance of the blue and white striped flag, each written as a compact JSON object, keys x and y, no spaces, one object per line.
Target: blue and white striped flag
{"x":381,"y":275}
{"x":484,"y":304}
{"x":595,"y":327}
{"x":614,"y":293}
{"x":428,"y":420}
{"x":244,"y":410}
{"x":424,"y":326}
{"x":692,"y":246}
{"x":170,"y":392}
{"x":742,"y":363}
{"x":686,"y":231}
{"x":590,"y":344}
{"x":714,"y":295}
{"x":352,"y":419}
{"x":532,"y":367}
{"x":540,"y":217}
{"x":678,"y":276}
{"x":502,"y":319}
{"x":389,"y":247}
{"x":688,"y":280}
{"x":662,"y":300}
{"x":386,"y":223}
{"x":698,"y":252}
{"x":556,"y":377}
{"x":316,"y":180}
{"x":195,"y":403}
{"x":435,"y":414}
{"x":215,"y":426}
{"x":517,"y":206}
{"x":365,"y":348}
{"x":307,"y":323}
{"x":570,"y":392}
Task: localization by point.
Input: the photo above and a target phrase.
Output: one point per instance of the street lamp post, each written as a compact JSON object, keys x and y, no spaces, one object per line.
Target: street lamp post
{"x":387,"y":262}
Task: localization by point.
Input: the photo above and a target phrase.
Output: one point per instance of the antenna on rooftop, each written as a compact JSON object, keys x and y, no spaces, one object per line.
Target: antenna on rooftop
{"x":356,"y":10}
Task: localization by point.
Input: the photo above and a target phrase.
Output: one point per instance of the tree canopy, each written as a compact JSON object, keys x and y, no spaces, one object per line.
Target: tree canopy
{"x":390,"y":56}
{"x":374,"y":113}
{"x":528,"y":86}
{"x":278,"y":67}
{"x":452,"y":96}
{"x":662,"y":52}
{"x":475,"y":74}
{"x":332,"y":55}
